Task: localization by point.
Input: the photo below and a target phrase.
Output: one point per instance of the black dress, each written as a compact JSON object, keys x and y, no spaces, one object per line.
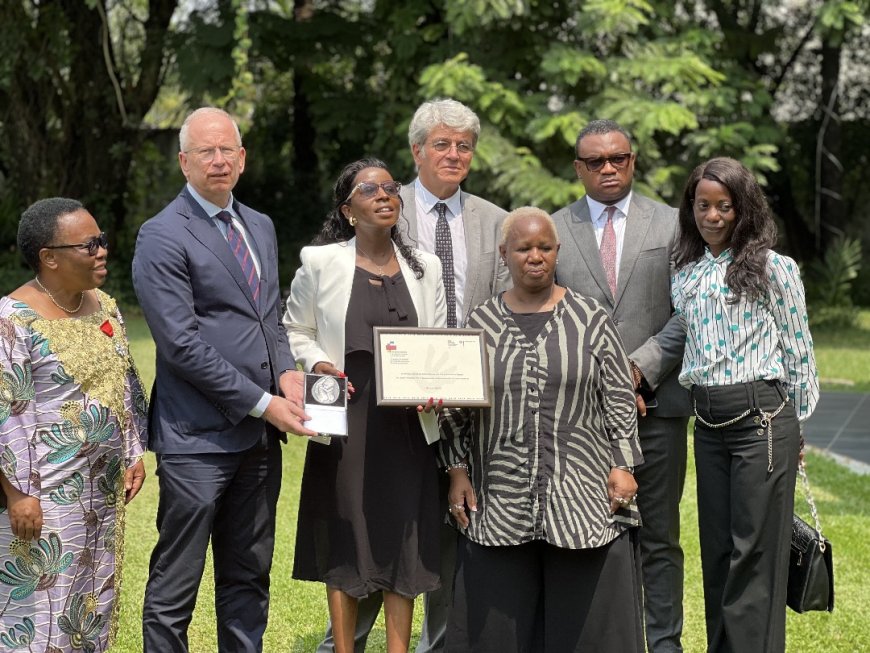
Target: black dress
{"x":368,"y":510}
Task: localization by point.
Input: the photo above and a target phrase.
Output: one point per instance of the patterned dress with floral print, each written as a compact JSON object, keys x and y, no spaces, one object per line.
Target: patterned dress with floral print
{"x":72,"y":419}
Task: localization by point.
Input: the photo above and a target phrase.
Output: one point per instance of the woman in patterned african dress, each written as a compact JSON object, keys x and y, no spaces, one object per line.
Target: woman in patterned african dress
{"x":72,"y":428}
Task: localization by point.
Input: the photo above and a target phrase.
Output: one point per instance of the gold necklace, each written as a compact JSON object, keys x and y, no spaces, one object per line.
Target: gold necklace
{"x":54,"y":301}
{"x":379,"y":267}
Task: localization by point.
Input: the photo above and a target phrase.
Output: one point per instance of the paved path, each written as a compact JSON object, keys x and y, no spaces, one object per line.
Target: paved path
{"x":840,"y":426}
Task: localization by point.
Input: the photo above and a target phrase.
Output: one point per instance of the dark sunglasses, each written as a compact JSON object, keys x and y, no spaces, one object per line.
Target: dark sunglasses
{"x":368,"y":189}
{"x":92,"y":246}
{"x":618,"y":161}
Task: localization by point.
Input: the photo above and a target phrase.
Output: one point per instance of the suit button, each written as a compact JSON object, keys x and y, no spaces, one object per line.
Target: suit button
{"x":264,"y":366}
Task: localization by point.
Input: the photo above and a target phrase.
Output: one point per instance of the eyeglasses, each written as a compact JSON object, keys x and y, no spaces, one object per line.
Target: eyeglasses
{"x":722,"y":208}
{"x":596,"y":163}
{"x":92,"y":246}
{"x":207,"y":154}
{"x":462,"y":147}
{"x":368,"y":189}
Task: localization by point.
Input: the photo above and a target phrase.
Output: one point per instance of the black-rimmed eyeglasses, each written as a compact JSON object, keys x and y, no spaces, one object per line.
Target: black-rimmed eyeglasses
{"x":368,"y":189}
{"x":596,"y":163}
{"x":92,"y":246}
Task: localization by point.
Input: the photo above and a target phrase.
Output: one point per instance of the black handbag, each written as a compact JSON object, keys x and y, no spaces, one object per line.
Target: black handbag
{"x":811,"y":563}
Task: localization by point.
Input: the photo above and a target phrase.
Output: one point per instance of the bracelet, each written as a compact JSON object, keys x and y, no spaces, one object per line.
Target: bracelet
{"x":457,"y":466}
{"x":625,"y":468}
{"x":636,"y":374}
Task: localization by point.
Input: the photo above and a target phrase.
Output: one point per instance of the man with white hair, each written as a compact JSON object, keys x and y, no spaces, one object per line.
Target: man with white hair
{"x":226,"y":391}
{"x":464,"y":231}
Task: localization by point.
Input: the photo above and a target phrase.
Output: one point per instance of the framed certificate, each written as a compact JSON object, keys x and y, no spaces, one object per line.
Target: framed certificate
{"x":413,"y":364}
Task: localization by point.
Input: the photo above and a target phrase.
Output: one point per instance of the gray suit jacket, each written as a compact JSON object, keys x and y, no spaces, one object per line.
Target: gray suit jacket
{"x":482,"y":220}
{"x":642,"y":310}
{"x":217,"y":349}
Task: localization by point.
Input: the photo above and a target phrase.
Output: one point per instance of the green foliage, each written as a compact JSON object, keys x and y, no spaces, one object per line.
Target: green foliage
{"x":317,"y":83}
{"x":463,"y":15}
{"x":829,"y":284}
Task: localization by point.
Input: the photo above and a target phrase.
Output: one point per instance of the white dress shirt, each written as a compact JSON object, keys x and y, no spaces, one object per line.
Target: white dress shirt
{"x":427,"y":217}
{"x":213,"y":209}
{"x":598,"y":213}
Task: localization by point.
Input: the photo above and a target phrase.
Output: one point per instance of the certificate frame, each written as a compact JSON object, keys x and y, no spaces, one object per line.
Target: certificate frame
{"x":454,"y":358}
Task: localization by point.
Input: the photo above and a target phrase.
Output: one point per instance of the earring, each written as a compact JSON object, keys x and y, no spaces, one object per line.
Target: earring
{"x":353,"y":221}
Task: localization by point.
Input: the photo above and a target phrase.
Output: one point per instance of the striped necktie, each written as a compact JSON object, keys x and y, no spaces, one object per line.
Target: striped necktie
{"x":240,"y":250}
{"x":444,"y":251}
{"x":608,"y":250}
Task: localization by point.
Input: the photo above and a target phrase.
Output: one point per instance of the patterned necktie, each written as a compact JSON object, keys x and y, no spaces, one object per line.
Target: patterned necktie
{"x":444,"y":251}
{"x":608,"y":250}
{"x":243,"y":255}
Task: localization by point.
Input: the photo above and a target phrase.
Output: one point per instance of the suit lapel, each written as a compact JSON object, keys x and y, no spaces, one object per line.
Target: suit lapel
{"x":583,"y":233}
{"x":205,"y":231}
{"x":636,"y":227}
{"x":471,"y":226}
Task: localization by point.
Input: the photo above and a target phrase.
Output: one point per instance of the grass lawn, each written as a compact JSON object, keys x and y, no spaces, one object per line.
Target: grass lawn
{"x":843,"y":356}
{"x":298,"y":611}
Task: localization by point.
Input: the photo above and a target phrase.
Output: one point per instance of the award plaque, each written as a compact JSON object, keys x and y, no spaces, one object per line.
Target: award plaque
{"x":414,"y":364}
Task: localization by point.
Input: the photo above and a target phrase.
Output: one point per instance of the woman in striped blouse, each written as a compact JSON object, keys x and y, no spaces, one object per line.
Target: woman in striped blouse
{"x":541,"y":483}
{"x":749,"y":364}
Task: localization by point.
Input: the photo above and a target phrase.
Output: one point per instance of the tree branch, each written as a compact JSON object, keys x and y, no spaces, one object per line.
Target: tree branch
{"x":794,"y":55}
{"x":153,"y":57}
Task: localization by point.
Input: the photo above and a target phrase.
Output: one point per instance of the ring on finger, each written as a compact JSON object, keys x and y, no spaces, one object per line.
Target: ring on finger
{"x":458,"y":506}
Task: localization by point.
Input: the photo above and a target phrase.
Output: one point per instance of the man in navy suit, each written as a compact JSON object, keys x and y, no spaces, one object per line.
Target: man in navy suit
{"x":205,"y":271}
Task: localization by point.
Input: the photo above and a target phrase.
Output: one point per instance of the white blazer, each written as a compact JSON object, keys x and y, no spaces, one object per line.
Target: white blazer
{"x":319,"y":296}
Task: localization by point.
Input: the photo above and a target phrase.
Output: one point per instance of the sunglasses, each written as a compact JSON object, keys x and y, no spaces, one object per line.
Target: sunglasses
{"x":618,"y":161}
{"x":92,"y":246}
{"x":368,"y":189}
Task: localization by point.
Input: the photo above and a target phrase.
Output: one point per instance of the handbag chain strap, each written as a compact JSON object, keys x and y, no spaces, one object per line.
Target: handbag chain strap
{"x":802,"y":472}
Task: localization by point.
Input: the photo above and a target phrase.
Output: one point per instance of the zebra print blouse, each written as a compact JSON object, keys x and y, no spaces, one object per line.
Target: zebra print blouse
{"x":563,"y":414}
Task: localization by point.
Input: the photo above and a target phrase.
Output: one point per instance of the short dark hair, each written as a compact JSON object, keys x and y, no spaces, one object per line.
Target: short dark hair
{"x":599,"y":128}
{"x":37,"y":227}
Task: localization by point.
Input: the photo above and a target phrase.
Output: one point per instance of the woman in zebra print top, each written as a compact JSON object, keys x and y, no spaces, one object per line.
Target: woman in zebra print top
{"x":542,"y":483}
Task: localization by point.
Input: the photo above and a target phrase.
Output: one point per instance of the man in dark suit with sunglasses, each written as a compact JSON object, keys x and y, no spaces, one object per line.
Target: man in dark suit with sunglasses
{"x":205,"y":271}
{"x":616,"y":247}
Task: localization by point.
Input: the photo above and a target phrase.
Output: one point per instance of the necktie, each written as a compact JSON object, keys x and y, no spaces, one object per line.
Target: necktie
{"x":243,"y":255}
{"x":444,"y":251}
{"x":608,"y":250}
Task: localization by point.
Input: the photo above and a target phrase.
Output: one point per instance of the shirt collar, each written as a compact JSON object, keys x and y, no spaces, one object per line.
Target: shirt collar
{"x":428,"y":200}
{"x":210,"y":208}
{"x":596,"y":208}
{"x":724,"y":256}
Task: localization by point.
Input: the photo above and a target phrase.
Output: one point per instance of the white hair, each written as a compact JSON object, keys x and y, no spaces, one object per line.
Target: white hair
{"x":203,"y":111}
{"x":525,"y":212}
{"x":449,"y":113}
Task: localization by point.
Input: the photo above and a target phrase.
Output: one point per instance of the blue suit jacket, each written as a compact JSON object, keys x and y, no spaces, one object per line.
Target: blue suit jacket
{"x":217,"y":350}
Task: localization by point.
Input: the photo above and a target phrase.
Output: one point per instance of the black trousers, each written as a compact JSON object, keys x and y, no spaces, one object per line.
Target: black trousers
{"x":230,"y":498}
{"x":745,"y":513}
{"x":536,"y":597}
{"x":660,"y":482}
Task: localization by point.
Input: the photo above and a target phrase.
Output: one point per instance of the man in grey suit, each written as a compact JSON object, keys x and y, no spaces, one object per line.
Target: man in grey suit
{"x":616,"y":248}
{"x":464,"y":231}
{"x":205,"y":271}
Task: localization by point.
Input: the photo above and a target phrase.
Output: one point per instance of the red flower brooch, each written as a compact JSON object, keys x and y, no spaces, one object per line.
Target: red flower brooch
{"x":106,"y":328}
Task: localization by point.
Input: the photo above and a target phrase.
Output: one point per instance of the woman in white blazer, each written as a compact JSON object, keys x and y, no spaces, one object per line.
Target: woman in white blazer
{"x":368,"y":514}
